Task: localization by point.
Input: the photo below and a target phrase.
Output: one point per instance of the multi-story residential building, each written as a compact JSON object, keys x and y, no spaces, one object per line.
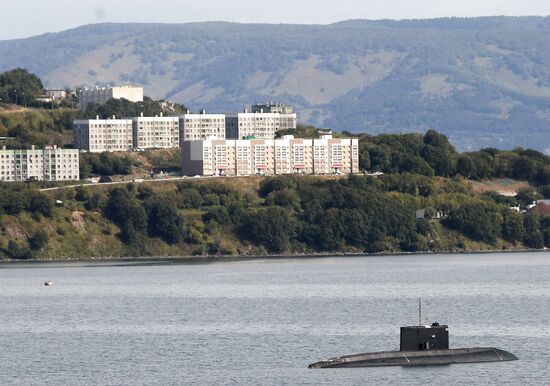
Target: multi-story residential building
{"x":157,"y":132}
{"x":102,"y":94}
{"x":194,"y":127}
{"x":259,"y":123}
{"x":55,"y":94}
{"x":99,"y":135}
{"x":285,"y":155}
{"x":271,"y":107}
{"x":49,"y":164}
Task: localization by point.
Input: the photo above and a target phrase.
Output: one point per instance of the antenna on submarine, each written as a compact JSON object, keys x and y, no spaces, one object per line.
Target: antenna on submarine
{"x":419,"y":311}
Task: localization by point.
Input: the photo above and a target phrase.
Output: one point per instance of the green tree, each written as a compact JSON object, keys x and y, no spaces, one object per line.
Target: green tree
{"x":465,"y":166}
{"x":104,"y":164}
{"x":19,"y":86}
{"x":273,"y":184}
{"x":512,"y":226}
{"x":164,"y":220}
{"x":41,"y":203}
{"x":526,"y":196}
{"x":272,"y":227}
{"x":545,"y":191}
{"x":533,"y":238}
{"x":82,"y":194}
{"x":477,"y":220}
{"x":285,"y":197}
{"x":524,"y":169}
{"x":18,"y":251}
{"x":39,"y":240}
{"x":190,"y":198}
{"x":218,"y":214}
{"x":128,"y":213}
{"x":439,"y":159}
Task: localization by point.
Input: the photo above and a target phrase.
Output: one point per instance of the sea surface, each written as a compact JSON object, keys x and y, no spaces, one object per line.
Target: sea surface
{"x":261,"y":322}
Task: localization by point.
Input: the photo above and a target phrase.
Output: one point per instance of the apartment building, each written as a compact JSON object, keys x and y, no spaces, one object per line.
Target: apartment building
{"x":99,"y":135}
{"x":194,"y":127}
{"x":272,"y":107}
{"x":286,"y":155}
{"x":156,"y":132}
{"x":101,"y":95}
{"x":49,"y":164}
{"x":259,"y":123}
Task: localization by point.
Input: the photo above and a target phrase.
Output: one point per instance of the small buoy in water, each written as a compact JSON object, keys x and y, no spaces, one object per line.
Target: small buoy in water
{"x":48,"y":283}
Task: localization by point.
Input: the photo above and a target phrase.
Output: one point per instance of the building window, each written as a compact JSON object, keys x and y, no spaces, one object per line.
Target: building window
{"x":207,"y":153}
{"x":299,"y":158}
{"x":281,"y":152}
{"x":320,"y":152}
{"x":354,"y":152}
{"x":221,"y":155}
{"x":259,"y":155}
{"x":336,"y":154}
{"x":242,"y":153}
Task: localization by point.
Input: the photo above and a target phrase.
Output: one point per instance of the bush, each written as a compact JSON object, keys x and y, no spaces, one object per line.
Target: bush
{"x":272,"y":227}
{"x":18,"y":251}
{"x":477,"y":220}
{"x":128,"y":213}
{"x":39,"y":240}
{"x":164,"y":220}
{"x":104,"y":164}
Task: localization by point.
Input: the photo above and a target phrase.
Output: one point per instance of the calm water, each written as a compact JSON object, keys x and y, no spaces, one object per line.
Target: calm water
{"x":263,"y":322}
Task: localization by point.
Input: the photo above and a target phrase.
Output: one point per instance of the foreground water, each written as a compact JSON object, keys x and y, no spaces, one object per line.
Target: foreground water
{"x":263,"y":321}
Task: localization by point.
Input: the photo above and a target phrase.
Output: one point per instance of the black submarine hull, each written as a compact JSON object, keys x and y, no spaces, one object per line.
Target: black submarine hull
{"x":418,"y":358}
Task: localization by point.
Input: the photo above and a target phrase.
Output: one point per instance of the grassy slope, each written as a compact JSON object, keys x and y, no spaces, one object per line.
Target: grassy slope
{"x":37,"y":126}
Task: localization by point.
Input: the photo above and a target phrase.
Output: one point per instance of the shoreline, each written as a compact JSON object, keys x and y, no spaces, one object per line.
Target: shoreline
{"x":233,"y":258}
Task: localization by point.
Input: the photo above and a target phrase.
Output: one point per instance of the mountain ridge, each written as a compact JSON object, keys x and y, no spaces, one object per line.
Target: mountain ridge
{"x":481,"y":81}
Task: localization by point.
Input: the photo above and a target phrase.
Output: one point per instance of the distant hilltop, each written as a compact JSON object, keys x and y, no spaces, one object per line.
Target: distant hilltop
{"x":484,"y":82}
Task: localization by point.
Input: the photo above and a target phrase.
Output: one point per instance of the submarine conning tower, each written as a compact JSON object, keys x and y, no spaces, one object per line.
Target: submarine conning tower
{"x":429,"y":337}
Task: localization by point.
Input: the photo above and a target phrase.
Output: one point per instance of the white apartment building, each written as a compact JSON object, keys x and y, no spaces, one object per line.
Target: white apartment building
{"x":55,"y":94}
{"x":272,"y":107}
{"x":259,"y":124}
{"x":99,"y":135}
{"x":155,"y":132}
{"x":49,"y":164}
{"x":286,"y":155}
{"x":194,"y":127}
{"x":102,"y":94}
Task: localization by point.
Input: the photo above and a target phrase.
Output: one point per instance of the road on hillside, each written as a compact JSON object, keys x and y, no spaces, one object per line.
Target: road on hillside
{"x":137,"y":181}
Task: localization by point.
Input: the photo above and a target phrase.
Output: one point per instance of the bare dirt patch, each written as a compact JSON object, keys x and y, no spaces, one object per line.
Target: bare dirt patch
{"x":78,"y":220}
{"x":16,"y":233}
{"x":503,"y":186}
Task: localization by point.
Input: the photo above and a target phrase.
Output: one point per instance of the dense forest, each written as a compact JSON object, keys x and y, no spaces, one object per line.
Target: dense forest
{"x":281,"y":215}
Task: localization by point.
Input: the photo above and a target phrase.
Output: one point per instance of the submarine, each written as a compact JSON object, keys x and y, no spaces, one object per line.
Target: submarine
{"x":420,"y":345}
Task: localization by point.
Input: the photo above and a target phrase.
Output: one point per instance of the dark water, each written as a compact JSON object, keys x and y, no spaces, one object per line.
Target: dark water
{"x":262,"y":322}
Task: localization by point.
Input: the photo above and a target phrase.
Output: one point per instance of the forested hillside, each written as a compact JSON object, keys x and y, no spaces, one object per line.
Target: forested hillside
{"x":290,"y":214}
{"x":482,"y":81}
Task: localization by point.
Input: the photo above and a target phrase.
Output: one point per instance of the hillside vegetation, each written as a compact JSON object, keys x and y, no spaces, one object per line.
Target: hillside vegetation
{"x":257,"y":216}
{"x":290,"y":214}
{"x":484,"y":82}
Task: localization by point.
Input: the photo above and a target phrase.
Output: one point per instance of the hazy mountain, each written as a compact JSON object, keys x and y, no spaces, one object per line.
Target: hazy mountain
{"x":482,"y":81}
